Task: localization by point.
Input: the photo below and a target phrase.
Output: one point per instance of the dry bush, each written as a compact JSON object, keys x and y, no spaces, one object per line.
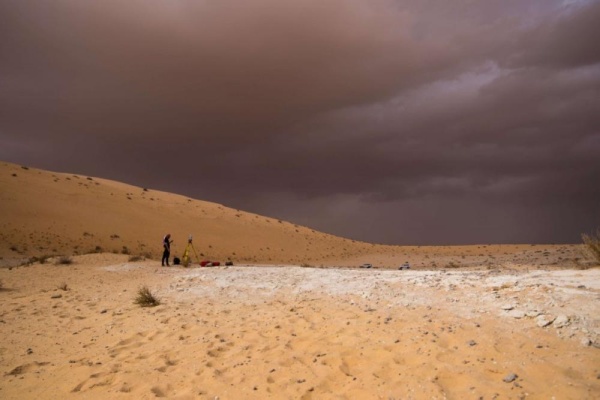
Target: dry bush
{"x":64,"y":260}
{"x":592,"y":243}
{"x":145,"y":298}
{"x":42,"y":259}
{"x":135,"y":258}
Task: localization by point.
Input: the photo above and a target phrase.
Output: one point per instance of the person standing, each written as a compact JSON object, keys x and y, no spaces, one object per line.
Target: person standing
{"x":167,"y":249}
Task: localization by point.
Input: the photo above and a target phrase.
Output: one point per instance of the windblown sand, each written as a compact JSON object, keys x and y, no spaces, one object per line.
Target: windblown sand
{"x":286,"y":332}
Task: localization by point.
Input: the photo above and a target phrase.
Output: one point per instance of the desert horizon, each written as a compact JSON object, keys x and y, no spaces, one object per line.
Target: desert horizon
{"x":39,"y":219}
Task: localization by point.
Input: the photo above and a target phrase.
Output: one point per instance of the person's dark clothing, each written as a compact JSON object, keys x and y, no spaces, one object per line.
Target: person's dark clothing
{"x":166,"y":252}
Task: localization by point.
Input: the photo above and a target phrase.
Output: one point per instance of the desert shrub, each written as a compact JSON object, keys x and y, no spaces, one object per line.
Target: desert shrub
{"x":592,"y":243}
{"x":135,"y":258}
{"x":125,"y":250}
{"x":145,"y":298}
{"x":64,"y":260}
{"x":43,"y":259}
{"x":95,"y":250}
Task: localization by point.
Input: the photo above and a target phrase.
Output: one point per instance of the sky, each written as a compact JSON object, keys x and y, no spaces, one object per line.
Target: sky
{"x":412,"y":122}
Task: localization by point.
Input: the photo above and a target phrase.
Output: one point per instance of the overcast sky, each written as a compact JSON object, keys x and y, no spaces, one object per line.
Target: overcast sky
{"x":389,"y":121}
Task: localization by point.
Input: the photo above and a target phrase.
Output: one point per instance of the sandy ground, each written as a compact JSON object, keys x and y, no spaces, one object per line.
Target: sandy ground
{"x":286,"y":332}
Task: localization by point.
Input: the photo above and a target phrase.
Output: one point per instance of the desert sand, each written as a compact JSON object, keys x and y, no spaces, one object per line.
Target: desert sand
{"x":295,"y":317}
{"x":73,"y":331}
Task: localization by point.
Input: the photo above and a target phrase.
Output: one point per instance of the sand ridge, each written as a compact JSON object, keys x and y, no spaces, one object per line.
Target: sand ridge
{"x":44,"y":213}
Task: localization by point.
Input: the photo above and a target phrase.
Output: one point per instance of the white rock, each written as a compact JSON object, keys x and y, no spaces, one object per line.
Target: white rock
{"x":508,"y":307}
{"x":586,"y":342}
{"x":561,"y":321}
{"x":518,"y":314}
{"x":544,"y":320}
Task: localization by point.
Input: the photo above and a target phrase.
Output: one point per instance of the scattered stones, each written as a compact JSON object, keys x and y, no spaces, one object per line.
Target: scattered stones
{"x":532,"y":313}
{"x":508,"y":307}
{"x":56,"y":296}
{"x":586,"y":342}
{"x":544,"y":320}
{"x":510,"y":378}
{"x":103,"y":311}
{"x":29,"y":351}
{"x":472,"y":343}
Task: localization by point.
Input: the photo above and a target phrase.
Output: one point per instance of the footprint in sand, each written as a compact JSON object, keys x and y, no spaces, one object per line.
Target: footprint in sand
{"x":25,"y":368}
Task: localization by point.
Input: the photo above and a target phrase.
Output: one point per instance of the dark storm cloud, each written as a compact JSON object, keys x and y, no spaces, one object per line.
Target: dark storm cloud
{"x":200,"y":67}
{"x":396,"y":121}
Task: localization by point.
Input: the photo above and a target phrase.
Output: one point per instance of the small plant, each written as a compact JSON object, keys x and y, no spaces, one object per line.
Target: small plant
{"x":593,"y":244}
{"x":63,"y":286}
{"x":42,"y":259}
{"x":125,"y":250}
{"x":64,"y":260}
{"x":135,"y":258}
{"x":145,"y":298}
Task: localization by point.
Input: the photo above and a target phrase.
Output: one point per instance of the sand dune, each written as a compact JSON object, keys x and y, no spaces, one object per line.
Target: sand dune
{"x":293,"y":318}
{"x":47,"y":213}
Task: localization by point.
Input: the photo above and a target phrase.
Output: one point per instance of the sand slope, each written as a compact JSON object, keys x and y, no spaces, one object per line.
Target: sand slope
{"x":47,"y":213}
